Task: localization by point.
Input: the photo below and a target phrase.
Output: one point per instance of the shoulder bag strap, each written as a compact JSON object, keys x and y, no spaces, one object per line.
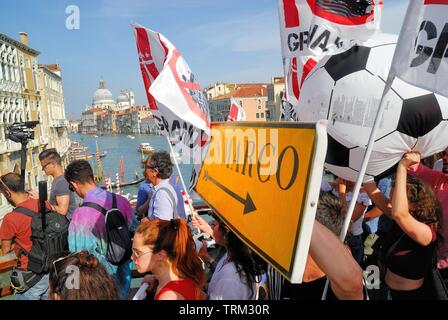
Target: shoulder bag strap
{"x":22,"y":251}
{"x":25,"y":211}
{"x":114,"y":201}
{"x":173,"y":200}
{"x":95,"y":206}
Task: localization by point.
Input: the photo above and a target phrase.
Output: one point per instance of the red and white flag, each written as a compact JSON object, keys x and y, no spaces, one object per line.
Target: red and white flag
{"x":311,"y":29}
{"x":337,"y":25}
{"x":236,"y":112}
{"x":316,"y":27}
{"x":295,"y":20}
{"x":421,"y":57}
{"x":179,"y":106}
{"x":298,"y":69}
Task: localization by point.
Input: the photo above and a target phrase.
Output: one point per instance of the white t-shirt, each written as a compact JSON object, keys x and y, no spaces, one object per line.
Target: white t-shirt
{"x":226,"y":283}
{"x":363,"y":198}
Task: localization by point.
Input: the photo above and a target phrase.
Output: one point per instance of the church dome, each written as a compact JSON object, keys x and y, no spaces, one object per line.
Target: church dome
{"x":122,"y":98}
{"x":102,"y":95}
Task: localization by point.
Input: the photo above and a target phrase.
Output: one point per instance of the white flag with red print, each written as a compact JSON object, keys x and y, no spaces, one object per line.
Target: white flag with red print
{"x":179,"y":106}
{"x":295,"y":20}
{"x":421,"y":57}
{"x":298,"y":69}
{"x":316,"y":27}
{"x":236,"y":112}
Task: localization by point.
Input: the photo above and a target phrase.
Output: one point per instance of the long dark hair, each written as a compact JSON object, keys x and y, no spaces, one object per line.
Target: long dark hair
{"x":425,"y":206}
{"x":247,"y":262}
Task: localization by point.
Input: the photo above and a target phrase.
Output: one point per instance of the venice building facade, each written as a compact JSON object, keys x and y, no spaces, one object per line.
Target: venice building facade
{"x":21,"y":100}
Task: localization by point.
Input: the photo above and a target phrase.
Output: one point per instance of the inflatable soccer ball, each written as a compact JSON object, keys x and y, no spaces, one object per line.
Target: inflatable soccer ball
{"x":346,"y":89}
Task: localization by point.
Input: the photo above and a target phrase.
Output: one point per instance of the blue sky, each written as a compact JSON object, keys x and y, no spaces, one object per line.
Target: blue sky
{"x":222,"y":41}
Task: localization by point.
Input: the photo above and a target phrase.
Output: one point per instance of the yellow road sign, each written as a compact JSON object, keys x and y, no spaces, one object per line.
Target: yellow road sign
{"x":263,"y":181}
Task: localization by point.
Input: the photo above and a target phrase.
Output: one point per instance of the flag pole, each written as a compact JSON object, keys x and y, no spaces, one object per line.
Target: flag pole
{"x":285,"y":73}
{"x":358,"y":184}
{"x":372,"y":137}
{"x":180,"y":173}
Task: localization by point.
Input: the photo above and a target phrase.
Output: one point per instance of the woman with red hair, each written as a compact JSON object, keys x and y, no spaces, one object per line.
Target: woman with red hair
{"x":167,"y":249}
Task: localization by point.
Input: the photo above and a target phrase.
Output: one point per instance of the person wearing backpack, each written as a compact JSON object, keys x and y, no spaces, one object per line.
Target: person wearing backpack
{"x":22,"y":231}
{"x":164,"y":201}
{"x":61,"y":199}
{"x":101,"y":224}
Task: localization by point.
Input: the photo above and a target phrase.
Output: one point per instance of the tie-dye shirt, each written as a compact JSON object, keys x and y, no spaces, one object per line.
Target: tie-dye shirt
{"x":87,"y":231}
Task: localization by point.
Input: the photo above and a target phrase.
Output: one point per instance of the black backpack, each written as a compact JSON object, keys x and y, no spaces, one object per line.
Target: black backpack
{"x":118,"y":236}
{"x":48,"y":243}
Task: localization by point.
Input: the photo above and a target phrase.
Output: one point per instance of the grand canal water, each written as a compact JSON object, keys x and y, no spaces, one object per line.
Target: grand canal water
{"x":122,"y":147}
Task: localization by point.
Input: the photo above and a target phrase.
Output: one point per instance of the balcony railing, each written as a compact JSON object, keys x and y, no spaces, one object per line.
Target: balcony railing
{"x":9,"y":146}
{"x":59,"y":123}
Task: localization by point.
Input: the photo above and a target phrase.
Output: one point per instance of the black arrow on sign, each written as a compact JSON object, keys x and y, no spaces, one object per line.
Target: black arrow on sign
{"x":249,"y":205}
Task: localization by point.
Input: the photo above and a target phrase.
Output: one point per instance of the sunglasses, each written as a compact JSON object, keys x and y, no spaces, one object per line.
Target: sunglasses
{"x":62,"y":259}
{"x":45,"y":165}
{"x":137,"y":254}
{"x":4,"y":187}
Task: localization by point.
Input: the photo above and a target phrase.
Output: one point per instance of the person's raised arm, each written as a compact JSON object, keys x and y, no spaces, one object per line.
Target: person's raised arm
{"x":198,"y":222}
{"x":337,"y":263}
{"x":418,"y":170}
{"x":359,"y":207}
{"x":378,"y":198}
{"x":342,"y":192}
{"x":418,"y":231}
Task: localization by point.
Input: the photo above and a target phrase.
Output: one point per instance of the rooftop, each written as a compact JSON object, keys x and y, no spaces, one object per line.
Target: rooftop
{"x":18,"y":44}
{"x":257,"y":90}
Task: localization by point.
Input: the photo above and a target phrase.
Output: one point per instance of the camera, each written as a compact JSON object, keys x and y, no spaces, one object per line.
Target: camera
{"x":21,"y":132}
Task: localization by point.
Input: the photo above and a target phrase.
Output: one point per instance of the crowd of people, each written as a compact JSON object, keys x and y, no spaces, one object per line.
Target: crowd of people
{"x":397,"y":225}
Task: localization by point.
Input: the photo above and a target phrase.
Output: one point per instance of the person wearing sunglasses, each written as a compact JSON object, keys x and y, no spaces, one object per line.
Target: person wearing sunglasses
{"x":61,"y":199}
{"x":164,"y":201}
{"x":87,"y":229}
{"x":167,"y":250}
{"x":88,"y":279}
{"x":16,"y":228}
{"x":146,"y":191}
